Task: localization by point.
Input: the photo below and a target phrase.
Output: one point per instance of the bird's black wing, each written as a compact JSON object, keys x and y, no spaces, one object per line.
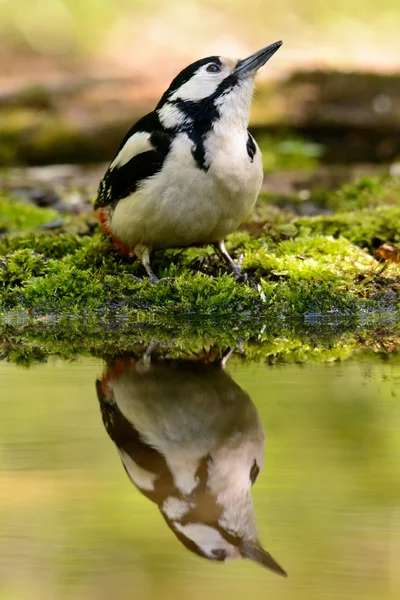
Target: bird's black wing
{"x":140,"y":155}
{"x":132,"y":447}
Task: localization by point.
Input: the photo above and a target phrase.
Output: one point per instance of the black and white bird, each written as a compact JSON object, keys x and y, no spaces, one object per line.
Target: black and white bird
{"x":191,"y":441}
{"x":189,"y":172}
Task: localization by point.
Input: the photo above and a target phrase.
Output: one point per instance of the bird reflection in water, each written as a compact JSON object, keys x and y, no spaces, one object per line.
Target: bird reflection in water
{"x":191,"y":441}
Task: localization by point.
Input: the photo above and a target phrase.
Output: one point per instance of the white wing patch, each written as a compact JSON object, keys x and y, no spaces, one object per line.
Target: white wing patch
{"x":139,"y":142}
{"x":140,"y":477}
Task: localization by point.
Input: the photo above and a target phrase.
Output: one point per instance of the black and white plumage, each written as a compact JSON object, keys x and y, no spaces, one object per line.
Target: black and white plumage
{"x":191,"y":441}
{"x":189,"y":172}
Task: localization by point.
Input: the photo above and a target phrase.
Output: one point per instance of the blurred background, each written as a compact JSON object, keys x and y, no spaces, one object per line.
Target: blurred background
{"x":152,"y":39}
{"x":74,"y":74}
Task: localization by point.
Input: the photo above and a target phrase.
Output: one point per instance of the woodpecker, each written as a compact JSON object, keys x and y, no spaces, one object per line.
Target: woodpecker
{"x":191,"y":441}
{"x":189,"y":172}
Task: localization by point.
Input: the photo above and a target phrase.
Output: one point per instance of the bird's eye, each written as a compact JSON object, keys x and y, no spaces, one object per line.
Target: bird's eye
{"x":219,"y":553}
{"x":254,"y":471}
{"x":213,"y":68}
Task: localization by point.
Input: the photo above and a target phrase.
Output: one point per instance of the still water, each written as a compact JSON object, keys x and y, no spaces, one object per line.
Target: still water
{"x":81,"y":516}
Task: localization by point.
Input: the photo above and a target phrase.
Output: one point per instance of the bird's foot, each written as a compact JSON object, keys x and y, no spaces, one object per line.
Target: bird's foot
{"x":153,"y":279}
{"x":240,"y":276}
{"x":225,"y":356}
{"x":144,"y":364}
{"x":236,"y":268}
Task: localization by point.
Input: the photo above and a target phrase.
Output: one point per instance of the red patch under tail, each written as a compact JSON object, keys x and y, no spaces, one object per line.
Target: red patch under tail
{"x":104,"y":218}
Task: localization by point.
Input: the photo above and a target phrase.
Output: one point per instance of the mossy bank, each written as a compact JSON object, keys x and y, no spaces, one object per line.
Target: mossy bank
{"x":297,"y":265}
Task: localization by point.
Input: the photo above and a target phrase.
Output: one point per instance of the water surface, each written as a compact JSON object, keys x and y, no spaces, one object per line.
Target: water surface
{"x":326,"y":503}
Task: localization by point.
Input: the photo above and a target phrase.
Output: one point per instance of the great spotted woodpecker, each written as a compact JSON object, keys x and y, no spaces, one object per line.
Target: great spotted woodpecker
{"x":189,"y":172}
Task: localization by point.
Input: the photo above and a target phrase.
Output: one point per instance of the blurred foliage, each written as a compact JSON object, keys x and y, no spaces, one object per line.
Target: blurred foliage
{"x":15,"y":216}
{"x":288,"y":152}
{"x":366,"y":193}
{"x":70,"y":26}
{"x":63,"y":26}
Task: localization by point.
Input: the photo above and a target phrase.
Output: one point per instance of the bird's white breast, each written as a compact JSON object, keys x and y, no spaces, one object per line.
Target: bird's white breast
{"x":183,"y":204}
{"x":186,"y":420}
{"x":237,"y":178}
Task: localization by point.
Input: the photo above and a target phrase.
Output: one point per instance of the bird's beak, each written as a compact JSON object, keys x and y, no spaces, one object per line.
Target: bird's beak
{"x":254,"y":551}
{"x":251,"y":64}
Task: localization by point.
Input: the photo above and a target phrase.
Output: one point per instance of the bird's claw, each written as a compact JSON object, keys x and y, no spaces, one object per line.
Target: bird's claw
{"x":240,"y":276}
{"x":153,"y":279}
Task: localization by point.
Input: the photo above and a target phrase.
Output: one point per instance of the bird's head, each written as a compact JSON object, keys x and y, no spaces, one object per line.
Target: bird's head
{"x":210,"y":88}
{"x":222,"y":545}
{"x":217,"y":520}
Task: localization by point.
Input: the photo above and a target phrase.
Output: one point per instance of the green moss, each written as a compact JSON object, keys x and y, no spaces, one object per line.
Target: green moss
{"x":51,"y":245}
{"x":15,"y":216}
{"x":366,"y":212}
{"x":18,"y":267}
{"x":317,"y":258}
{"x":367,"y":192}
{"x":365,"y":228}
{"x":297,"y":266}
{"x":63,"y":288}
{"x":305,"y":274}
{"x":311,"y":274}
